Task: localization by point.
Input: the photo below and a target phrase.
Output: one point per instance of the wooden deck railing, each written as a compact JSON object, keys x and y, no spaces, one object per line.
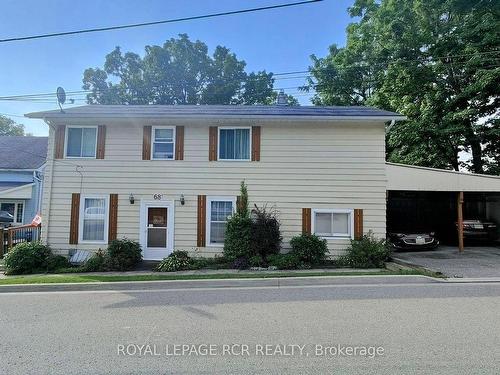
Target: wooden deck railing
{"x":9,"y":237}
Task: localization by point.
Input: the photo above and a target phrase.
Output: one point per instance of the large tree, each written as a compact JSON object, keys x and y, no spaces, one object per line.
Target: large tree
{"x":179,"y":72}
{"x":435,"y":61}
{"x":10,"y":127}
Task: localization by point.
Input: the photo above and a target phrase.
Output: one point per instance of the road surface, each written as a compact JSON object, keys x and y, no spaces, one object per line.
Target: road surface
{"x":369,"y":325}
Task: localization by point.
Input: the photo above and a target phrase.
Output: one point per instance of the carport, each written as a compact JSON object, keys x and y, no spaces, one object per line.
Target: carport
{"x":420,"y":198}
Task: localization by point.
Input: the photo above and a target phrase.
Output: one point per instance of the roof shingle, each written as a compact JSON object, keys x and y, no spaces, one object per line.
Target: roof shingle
{"x":148,"y":111}
{"x":19,"y":152}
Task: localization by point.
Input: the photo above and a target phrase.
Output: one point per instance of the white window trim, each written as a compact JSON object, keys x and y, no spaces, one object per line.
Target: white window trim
{"x":234,"y":127}
{"x":153,"y":128}
{"x":333,"y":211}
{"x":81,"y":215}
{"x":208,"y":214}
{"x":66,"y":141}
{"x":16,"y":202}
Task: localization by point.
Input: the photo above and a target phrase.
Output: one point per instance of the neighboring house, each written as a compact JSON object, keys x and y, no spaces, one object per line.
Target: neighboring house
{"x":169,"y":176}
{"x":22,"y":163}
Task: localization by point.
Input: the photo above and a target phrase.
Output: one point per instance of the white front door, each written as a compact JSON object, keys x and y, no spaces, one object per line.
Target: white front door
{"x":157,"y":229}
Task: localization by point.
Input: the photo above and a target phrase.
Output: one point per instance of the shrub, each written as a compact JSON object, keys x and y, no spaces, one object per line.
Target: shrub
{"x":287,"y":261}
{"x":177,"y":261}
{"x":123,"y":255}
{"x":96,"y":263}
{"x":368,"y":252}
{"x":309,"y":248}
{"x":256,"y":261}
{"x":27,"y":257}
{"x":57,"y":262}
{"x":265,"y":235}
{"x":238,"y":229}
{"x":241,"y":263}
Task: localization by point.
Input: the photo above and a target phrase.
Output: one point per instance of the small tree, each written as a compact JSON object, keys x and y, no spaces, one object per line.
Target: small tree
{"x":266,"y":236}
{"x":238,"y":229}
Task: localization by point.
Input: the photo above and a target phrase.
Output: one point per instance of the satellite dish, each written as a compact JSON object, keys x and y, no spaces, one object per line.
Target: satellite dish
{"x":61,"y":97}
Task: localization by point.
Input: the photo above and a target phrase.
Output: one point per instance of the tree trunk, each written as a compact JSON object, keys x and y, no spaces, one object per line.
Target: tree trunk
{"x":475,"y":145}
{"x":477,"y":161}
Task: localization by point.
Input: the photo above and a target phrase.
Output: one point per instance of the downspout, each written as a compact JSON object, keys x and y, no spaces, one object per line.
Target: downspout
{"x":391,"y":124}
{"x":40,"y":189}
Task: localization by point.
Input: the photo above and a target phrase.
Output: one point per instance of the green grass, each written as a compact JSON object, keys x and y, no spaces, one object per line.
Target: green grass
{"x":68,"y":278}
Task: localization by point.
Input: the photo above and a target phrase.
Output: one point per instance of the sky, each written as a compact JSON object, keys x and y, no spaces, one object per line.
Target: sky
{"x":279,"y":40}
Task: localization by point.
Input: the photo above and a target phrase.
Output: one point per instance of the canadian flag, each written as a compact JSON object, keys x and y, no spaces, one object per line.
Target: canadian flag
{"x":37,"y":220}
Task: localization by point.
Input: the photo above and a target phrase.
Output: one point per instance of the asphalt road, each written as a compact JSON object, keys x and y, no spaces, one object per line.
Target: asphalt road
{"x":392,"y":326}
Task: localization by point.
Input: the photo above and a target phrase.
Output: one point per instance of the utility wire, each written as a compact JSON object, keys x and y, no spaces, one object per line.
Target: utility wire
{"x":46,"y":97}
{"x":173,"y":20}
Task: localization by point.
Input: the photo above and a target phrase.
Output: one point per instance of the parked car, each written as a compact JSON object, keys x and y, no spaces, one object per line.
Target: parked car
{"x":6,"y":219}
{"x":477,"y":229}
{"x":409,"y":240}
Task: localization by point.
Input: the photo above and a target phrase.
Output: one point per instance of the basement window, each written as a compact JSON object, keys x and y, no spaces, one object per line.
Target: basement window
{"x":333,"y":223}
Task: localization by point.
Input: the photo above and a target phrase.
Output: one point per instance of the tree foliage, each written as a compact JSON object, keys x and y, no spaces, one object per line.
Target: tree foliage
{"x":435,"y":61}
{"x":10,"y":127}
{"x":179,"y":72}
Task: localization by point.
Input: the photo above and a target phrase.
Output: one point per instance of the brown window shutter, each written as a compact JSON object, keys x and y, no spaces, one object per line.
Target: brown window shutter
{"x":101,"y":141}
{"x":306,"y":221}
{"x":179,"y":143}
{"x":255,"y":143}
{"x":59,"y":139}
{"x":212,"y":143}
{"x":75,"y":216}
{"x":146,"y":143}
{"x":113,"y":217}
{"x":202,"y":211}
{"x":358,"y":224}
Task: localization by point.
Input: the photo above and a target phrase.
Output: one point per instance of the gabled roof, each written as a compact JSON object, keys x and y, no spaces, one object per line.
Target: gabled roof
{"x":218,"y":111}
{"x":22,"y":152}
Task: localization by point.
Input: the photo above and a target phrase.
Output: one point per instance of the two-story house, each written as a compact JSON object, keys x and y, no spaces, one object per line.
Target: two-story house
{"x":169,"y":176}
{"x":22,"y":163}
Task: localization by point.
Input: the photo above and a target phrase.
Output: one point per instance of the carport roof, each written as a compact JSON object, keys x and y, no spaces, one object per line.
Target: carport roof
{"x":413,"y":178}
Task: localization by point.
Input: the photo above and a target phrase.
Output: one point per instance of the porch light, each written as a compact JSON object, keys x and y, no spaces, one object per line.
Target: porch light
{"x":182,"y":200}
{"x":131,"y":198}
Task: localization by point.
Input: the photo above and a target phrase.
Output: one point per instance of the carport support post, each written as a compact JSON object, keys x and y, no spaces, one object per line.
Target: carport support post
{"x":460,"y":221}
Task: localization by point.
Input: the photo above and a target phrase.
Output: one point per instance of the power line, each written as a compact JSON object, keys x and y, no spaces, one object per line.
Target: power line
{"x":182,"y":19}
{"x":46,"y":97}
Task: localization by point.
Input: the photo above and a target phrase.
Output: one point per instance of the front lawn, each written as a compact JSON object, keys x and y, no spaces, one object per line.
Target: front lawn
{"x":68,"y":278}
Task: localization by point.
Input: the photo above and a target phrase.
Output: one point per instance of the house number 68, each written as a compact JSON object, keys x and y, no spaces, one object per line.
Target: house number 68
{"x":157,"y":197}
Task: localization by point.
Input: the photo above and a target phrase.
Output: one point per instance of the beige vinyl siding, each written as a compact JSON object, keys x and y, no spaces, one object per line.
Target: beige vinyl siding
{"x":313,"y":164}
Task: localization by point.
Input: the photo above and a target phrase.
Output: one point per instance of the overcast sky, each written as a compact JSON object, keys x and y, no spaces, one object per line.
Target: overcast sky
{"x":278,"y":40}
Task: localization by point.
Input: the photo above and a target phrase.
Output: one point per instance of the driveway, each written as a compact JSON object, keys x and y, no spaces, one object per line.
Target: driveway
{"x":473,"y":262}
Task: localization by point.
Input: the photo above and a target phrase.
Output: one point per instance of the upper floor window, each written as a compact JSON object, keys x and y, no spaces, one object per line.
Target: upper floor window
{"x":333,"y":223}
{"x":81,"y":142}
{"x":234,"y":143}
{"x":163,"y":142}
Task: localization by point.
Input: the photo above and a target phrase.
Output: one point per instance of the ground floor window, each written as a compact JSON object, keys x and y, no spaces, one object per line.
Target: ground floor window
{"x":16,"y":209}
{"x":333,"y":222}
{"x":94,"y":219}
{"x":219,"y":209}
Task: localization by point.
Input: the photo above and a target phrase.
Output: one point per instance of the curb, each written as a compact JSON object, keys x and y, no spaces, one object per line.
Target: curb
{"x":412,"y":266}
{"x":155,"y":285}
